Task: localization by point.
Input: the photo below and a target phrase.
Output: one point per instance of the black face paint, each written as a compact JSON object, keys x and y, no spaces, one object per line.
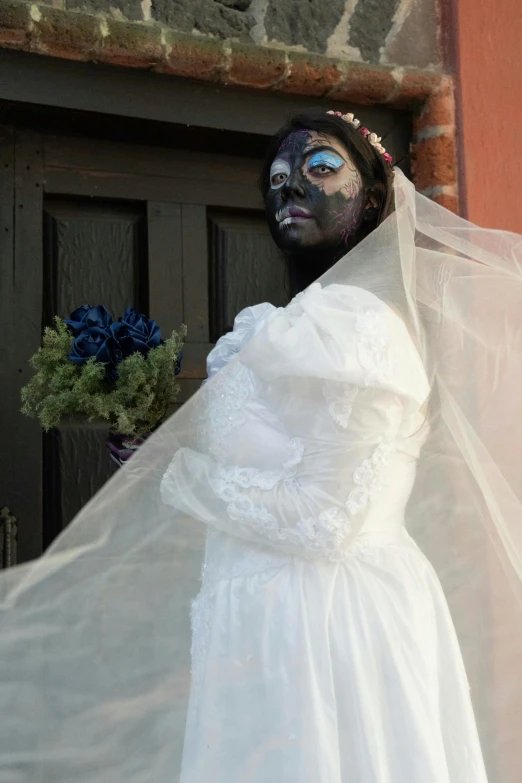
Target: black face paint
{"x":316,"y":201}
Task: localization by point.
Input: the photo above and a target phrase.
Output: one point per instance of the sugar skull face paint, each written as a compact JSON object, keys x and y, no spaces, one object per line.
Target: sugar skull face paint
{"x":316,"y":197}
{"x":321,"y":163}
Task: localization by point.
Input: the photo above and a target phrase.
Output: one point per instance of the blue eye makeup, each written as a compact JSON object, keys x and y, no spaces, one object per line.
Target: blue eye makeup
{"x":325,"y":159}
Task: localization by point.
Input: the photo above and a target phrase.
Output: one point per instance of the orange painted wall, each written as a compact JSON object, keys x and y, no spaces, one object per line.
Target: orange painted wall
{"x":489,"y":39}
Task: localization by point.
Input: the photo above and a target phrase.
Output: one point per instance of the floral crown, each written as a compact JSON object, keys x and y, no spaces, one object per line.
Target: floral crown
{"x":374,"y":140}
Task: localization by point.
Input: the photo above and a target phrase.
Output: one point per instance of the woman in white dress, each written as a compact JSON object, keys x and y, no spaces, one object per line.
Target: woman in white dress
{"x":378,"y":405}
{"x":312,"y":586}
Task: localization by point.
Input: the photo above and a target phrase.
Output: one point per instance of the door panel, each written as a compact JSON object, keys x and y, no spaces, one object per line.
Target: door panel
{"x":246,"y":267}
{"x":95,"y":254}
{"x":84,"y":468}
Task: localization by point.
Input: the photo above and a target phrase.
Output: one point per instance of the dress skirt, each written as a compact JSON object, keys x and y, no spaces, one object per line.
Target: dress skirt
{"x":315,"y":672}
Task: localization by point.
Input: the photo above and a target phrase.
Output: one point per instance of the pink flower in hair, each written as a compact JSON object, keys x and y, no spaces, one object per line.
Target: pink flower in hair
{"x":374,"y":140}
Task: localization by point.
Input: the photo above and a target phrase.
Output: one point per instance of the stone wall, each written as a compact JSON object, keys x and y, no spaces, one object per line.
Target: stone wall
{"x":402,"y":33}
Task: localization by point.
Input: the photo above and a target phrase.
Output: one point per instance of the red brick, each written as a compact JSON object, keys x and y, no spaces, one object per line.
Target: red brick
{"x":197,"y":58}
{"x":448,"y":201}
{"x":14,"y":25}
{"x":257,"y":67}
{"x":133,"y":45}
{"x":312,"y":76}
{"x":439,"y":108}
{"x":435,"y":162}
{"x":413,"y":89}
{"x":365,"y":86}
{"x":69,"y":34}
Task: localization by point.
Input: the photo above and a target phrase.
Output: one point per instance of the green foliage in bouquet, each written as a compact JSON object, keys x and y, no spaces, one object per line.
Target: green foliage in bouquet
{"x":132,"y":394}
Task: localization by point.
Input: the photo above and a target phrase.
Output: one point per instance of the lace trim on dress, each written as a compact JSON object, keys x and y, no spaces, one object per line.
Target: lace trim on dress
{"x":340,"y":398}
{"x":261,"y":479}
{"x":248,"y":560}
{"x":226,"y":397}
{"x":374,"y":351}
{"x":366,"y":478}
{"x":295,"y":455}
{"x":322,"y":536}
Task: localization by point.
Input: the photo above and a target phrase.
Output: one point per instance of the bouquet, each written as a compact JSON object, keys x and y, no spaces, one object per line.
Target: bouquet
{"x":120,"y":371}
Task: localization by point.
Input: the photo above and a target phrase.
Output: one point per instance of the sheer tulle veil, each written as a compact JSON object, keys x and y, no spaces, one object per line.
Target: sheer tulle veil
{"x":95,"y":635}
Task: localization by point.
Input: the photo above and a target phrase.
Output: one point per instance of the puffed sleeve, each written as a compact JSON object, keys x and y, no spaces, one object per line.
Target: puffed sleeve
{"x":327,"y":380}
{"x":230,"y":344}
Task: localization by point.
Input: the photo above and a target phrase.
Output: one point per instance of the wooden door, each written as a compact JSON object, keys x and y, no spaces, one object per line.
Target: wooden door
{"x":179,"y":235}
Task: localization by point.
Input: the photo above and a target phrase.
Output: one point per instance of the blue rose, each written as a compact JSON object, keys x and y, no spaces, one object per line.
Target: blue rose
{"x":86,"y":317}
{"x":98,"y":336}
{"x":100,"y":344}
{"x":136,"y":327}
{"x":91,"y":342}
{"x":127,"y":341}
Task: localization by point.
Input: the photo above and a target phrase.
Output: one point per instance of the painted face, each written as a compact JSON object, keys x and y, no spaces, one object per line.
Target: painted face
{"x":316,"y":197}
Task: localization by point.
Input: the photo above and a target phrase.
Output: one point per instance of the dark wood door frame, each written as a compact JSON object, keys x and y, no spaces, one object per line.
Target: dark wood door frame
{"x":124,"y":92}
{"x":21,"y":287}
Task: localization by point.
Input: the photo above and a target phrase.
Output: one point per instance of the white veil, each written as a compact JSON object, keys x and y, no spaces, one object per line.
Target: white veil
{"x":95,"y":635}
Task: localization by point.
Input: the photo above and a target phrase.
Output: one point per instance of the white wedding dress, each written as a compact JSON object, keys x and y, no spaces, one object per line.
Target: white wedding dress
{"x":323,"y":649}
